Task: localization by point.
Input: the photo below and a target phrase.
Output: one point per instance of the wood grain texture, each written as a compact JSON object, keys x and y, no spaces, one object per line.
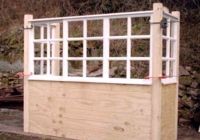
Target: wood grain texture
{"x":89,"y":111}
{"x":168,"y":119}
{"x":156,"y":49}
{"x":26,"y":70}
{"x":177,"y":14}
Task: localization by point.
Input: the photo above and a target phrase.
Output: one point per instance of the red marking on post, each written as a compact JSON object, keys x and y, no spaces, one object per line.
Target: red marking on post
{"x":21,"y":75}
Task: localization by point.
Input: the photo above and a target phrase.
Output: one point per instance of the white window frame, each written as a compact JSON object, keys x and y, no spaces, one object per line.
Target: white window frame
{"x":171,"y":21}
{"x":105,"y":38}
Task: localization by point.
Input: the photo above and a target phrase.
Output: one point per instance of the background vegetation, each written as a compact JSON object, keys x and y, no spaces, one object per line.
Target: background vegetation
{"x":12,"y":12}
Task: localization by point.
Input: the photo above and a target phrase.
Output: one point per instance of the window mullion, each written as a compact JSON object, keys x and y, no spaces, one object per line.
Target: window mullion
{"x":31,"y":51}
{"x":175,"y":48}
{"x":106,"y":50}
{"x":168,"y":49}
{"x":128,"y":62}
{"x":84,"y":48}
{"x":65,"y":48}
{"x":48,"y":49}
{"x":151,"y":48}
{"x":42,"y":51}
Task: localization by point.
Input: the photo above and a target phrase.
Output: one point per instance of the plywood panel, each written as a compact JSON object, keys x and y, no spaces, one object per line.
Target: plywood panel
{"x":168,"y":118}
{"x":89,"y":111}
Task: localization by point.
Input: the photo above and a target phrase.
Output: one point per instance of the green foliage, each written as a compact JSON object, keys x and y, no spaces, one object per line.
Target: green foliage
{"x":12,"y":12}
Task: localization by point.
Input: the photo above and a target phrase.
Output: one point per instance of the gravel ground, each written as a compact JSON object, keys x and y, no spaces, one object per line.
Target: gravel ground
{"x":11,"y":117}
{"x":12,"y":136}
{"x":12,"y":121}
{"x":188,"y":134}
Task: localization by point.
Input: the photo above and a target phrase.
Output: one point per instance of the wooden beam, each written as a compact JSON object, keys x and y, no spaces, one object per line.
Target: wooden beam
{"x":156,"y":40}
{"x":26,"y":69}
{"x":56,"y":49}
{"x":177,"y":36}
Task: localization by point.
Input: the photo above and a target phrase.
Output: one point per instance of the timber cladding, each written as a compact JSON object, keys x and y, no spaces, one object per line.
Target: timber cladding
{"x":168,"y":113}
{"x":90,"y":111}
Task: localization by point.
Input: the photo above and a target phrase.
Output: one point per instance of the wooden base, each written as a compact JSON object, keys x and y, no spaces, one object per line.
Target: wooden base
{"x":97,"y":111}
{"x":90,"y":111}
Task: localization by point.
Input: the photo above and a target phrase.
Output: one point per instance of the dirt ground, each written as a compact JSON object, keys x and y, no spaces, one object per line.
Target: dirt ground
{"x":11,"y":123}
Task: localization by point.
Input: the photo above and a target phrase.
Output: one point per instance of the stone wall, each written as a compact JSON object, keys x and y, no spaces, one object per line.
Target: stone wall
{"x":10,"y":82}
{"x":189,"y":96}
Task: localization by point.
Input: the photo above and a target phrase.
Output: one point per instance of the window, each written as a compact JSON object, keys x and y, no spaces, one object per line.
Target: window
{"x":113,"y":49}
{"x":169,"y":51}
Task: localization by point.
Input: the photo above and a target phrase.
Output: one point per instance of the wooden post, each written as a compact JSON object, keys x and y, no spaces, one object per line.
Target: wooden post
{"x":156,"y":55}
{"x":26,"y":70}
{"x":177,"y":36}
{"x":56,"y":49}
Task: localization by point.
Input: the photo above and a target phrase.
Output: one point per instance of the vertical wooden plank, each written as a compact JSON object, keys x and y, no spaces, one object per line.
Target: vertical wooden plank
{"x":84,"y":48}
{"x":177,"y":36}
{"x":56,"y":49}
{"x":166,"y":10}
{"x":106,"y":50}
{"x":48,"y":48}
{"x":156,"y":38}
{"x":42,"y":50}
{"x":31,"y":50}
{"x":26,"y":70}
{"x":128,"y":62}
{"x":151,"y":50}
{"x":168,"y":49}
{"x":167,"y":69}
{"x":65,"y":48}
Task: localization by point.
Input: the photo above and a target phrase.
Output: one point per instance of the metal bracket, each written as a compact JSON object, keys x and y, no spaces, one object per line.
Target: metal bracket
{"x":163,"y":23}
{"x":27,"y":28}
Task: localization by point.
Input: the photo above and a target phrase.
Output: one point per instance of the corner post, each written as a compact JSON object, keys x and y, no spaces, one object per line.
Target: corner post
{"x":156,"y":56}
{"x":177,"y":36}
{"x":26,"y":69}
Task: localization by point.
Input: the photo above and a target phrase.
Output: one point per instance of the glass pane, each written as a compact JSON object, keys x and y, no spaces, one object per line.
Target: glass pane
{"x":139,"y":69}
{"x":164,"y":52}
{"x":43,"y":66}
{"x":118,"y":48}
{"x":172,"y":29}
{"x":37,"y":32}
{"x":40,"y":32}
{"x":95,"y":48}
{"x":172,"y":49}
{"x":37,"y":66}
{"x":171,"y":68}
{"x":40,"y":67}
{"x":118,"y":27}
{"x":164,"y":66}
{"x":75,"y":68}
{"x":40,"y":50}
{"x":94,"y":68}
{"x":94,"y":28}
{"x":117,"y":69}
{"x":37,"y":49}
{"x":75,"y":48}
{"x":76,"y":29}
{"x":140,"y":48}
{"x":45,"y":32}
{"x":165,"y":29}
{"x":140,"y":26}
